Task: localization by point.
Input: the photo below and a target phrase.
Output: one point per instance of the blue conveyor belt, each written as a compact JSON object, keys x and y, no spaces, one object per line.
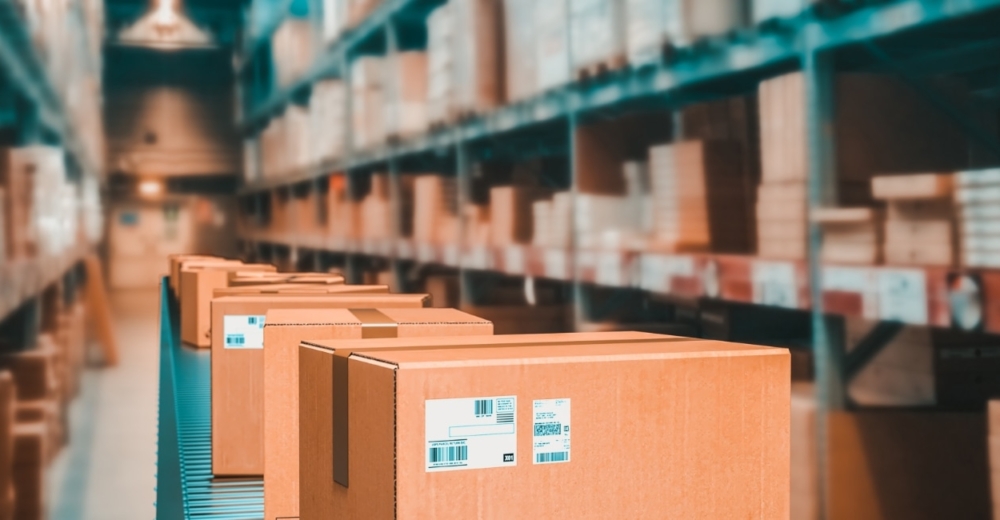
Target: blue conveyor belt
{"x":186,"y":488}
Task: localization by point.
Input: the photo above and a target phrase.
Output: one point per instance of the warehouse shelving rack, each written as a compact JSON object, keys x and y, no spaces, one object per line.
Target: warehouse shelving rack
{"x":39,"y":116}
{"x":919,"y":34}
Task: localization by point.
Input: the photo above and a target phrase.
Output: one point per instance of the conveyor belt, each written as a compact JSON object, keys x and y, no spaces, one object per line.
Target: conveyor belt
{"x":186,"y":488}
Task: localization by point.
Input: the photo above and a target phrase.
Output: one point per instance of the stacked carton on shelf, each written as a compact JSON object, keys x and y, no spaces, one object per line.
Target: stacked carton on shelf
{"x":375,"y":211}
{"x":653,"y":24}
{"x":293,"y":50}
{"x":406,"y":94}
{"x":698,"y":196}
{"x":850,"y":235}
{"x":552,"y":58}
{"x":977,"y":200}
{"x":326,"y":106}
{"x":434,"y":209}
{"x":511,"y":213}
{"x":368,"y":95}
{"x":520,"y":70}
{"x":341,"y":211}
{"x":334,"y":19}
{"x":920,"y":218}
{"x":596,"y":34}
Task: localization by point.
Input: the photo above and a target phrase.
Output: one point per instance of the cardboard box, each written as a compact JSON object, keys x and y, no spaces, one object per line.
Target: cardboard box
{"x":293,"y":289}
{"x":199,"y":264}
{"x":238,"y":369}
{"x":284,"y":330}
{"x":30,"y":457}
{"x":197,"y":284}
{"x":7,"y":398}
{"x":511,"y":212}
{"x":175,"y":261}
{"x":410,"y":416}
{"x":33,"y":373}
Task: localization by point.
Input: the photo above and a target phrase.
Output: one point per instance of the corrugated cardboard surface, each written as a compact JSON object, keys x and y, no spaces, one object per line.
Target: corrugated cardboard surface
{"x":318,"y":491}
{"x":197,"y":284}
{"x":298,"y":289}
{"x":175,"y":262}
{"x":683,"y":429}
{"x":283,"y":332}
{"x":238,"y":375}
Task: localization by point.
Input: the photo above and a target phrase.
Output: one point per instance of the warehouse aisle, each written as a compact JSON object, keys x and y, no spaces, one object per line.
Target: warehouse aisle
{"x":108,"y":472}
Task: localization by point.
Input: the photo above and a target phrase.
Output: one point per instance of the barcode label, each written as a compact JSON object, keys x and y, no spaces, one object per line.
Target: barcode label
{"x":243,"y":332}
{"x":550,"y":432}
{"x":558,"y":456}
{"x":484,"y":407}
{"x":470,"y":433}
{"x":448,"y":454}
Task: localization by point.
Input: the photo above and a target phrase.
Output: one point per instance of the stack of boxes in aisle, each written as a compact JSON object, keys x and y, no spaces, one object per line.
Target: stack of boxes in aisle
{"x":511,"y":213}
{"x":292,"y":45}
{"x":782,"y":198}
{"x":977,"y":201}
{"x":597,"y":39}
{"x":698,"y":197}
{"x":552,"y":58}
{"x":616,"y":222}
{"x":552,"y":221}
{"x":368,"y":96}
{"x":406,"y":94}
{"x":435,"y":218}
{"x":850,"y":235}
{"x":375,"y":210}
{"x":520,"y":71}
{"x":920,"y":218}
{"x":327,"y":113}
{"x":465,"y":67}
{"x":654,"y":24}
{"x":881,"y":127}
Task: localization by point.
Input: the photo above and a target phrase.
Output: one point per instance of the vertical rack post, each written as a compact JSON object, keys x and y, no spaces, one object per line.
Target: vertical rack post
{"x":352,"y":268}
{"x":820,"y":89}
{"x":395,"y":188}
{"x":463,"y":172}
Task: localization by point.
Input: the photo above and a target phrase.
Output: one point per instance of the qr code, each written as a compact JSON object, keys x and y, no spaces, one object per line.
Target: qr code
{"x":548,"y":428}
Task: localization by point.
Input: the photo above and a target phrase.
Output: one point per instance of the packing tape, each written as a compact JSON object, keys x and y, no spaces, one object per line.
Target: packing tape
{"x":374,"y":325}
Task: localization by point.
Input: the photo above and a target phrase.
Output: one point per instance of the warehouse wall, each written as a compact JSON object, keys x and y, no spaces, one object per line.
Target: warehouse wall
{"x":170,"y":114}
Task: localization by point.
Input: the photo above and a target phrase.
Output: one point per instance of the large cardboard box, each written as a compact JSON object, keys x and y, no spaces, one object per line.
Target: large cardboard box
{"x":198,"y":263}
{"x":197,"y":284}
{"x":284,"y":330}
{"x":238,"y":369}
{"x":30,"y":457}
{"x":482,"y":422}
{"x":175,"y":262}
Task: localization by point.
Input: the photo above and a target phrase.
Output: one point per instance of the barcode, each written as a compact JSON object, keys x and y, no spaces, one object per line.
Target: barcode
{"x":251,"y":320}
{"x":484,"y":407}
{"x":548,"y":428}
{"x":559,"y":456}
{"x":449,"y":454}
{"x":505,"y":418}
{"x":235,"y":339}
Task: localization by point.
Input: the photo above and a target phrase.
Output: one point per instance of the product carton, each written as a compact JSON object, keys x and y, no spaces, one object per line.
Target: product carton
{"x":238,"y":369}
{"x":284,"y":330}
{"x":489,"y":419}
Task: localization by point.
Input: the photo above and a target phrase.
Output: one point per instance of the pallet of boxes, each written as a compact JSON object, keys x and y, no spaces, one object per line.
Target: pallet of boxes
{"x":354,"y":402}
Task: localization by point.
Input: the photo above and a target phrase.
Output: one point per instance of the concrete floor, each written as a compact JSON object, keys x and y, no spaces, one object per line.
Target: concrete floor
{"x":108,"y":471}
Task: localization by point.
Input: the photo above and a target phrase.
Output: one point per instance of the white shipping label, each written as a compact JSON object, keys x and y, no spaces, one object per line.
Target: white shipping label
{"x":243,"y":332}
{"x":550,"y":431}
{"x":472,"y":433}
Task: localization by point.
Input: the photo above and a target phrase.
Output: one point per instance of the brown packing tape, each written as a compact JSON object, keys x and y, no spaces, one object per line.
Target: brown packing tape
{"x":374,"y":325}
{"x":341,"y":358}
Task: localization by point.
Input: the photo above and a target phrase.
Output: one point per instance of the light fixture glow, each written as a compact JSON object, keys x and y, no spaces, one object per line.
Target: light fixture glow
{"x":165,"y":17}
{"x":150,"y":188}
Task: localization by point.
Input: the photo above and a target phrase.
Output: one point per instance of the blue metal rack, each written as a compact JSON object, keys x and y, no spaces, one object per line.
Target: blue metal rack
{"x":186,"y":488}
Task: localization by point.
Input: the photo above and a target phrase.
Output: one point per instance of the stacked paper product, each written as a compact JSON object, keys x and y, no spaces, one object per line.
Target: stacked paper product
{"x":920,"y":225}
{"x":977,"y":197}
